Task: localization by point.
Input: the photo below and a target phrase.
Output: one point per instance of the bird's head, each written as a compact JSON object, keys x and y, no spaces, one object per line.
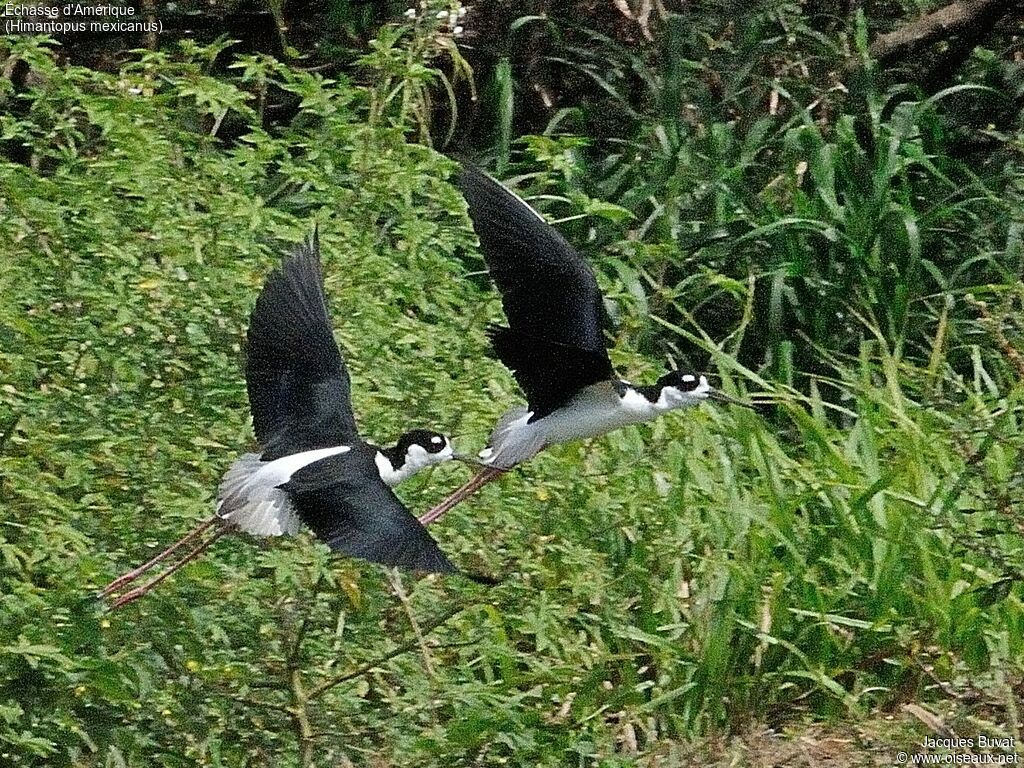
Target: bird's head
{"x":415,"y":450}
{"x":422,"y":447}
{"x":681,"y":388}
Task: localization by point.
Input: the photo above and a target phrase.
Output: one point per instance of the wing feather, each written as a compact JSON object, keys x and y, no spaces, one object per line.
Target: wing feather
{"x":549,"y":294}
{"x":346,"y":504}
{"x":299,"y":388}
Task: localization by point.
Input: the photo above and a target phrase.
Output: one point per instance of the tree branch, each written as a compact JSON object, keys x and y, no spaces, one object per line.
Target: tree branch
{"x":970,"y":18}
{"x":300,"y":713}
{"x":425,"y":629}
{"x":395,"y":577}
{"x":299,"y":709}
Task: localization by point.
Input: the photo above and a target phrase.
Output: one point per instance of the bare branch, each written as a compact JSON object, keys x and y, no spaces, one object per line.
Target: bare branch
{"x":395,"y":577}
{"x":430,"y":626}
{"x":972,"y":18}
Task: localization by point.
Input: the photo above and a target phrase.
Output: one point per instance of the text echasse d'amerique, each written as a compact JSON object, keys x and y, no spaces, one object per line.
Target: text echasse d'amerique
{"x":74,"y":17}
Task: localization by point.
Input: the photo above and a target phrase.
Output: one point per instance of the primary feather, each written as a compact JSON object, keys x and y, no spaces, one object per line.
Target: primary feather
{"x":554,"y":344}
{"x":299,"y":387}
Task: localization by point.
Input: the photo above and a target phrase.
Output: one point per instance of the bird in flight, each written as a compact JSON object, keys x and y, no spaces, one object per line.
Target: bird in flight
{"x":313,"y":467}
{"x":553,"y":343}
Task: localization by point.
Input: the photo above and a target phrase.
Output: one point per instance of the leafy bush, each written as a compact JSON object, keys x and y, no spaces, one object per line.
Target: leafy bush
{"x":660,"y":583}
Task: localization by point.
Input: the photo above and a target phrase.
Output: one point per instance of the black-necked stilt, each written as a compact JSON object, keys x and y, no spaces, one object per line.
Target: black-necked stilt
{"x":313,"y":466}
{"x":553,"y":344}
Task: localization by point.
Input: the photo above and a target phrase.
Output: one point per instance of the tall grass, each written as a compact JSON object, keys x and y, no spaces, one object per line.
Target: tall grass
{"x":830,"y":200}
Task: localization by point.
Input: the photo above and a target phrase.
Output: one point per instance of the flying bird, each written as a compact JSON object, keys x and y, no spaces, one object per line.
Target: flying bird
{"x":553,"y":344}
{"x":313,"y":467}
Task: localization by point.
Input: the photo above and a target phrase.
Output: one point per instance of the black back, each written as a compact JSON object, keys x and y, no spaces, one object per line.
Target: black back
{"x":299,"y":388}
{"x":554,"y":344}
{"x":345,"y":503}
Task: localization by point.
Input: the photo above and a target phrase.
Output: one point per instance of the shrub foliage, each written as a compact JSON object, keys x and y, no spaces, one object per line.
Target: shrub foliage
{"x":839,"y":550}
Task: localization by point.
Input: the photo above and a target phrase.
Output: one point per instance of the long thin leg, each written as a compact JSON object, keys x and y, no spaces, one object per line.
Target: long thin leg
{"x":487,"y":475}
{"x":133,"y":574}
{"x":482,"y":478}
{"x":195,"y":552}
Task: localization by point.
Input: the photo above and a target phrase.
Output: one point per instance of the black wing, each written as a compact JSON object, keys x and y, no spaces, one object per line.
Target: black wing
{"x":554,"y":344}
{"x":345,"y":503}
{"x":299,"y":388}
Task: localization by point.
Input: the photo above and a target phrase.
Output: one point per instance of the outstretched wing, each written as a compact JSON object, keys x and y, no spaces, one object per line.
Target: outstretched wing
{"x":299,"y":388}
{"x":346,"y":504}
{"x":554,"y":344}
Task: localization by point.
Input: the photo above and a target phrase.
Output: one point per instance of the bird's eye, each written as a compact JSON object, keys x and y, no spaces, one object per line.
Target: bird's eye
{"x":436,"y":444}
{"x":688,"y":382}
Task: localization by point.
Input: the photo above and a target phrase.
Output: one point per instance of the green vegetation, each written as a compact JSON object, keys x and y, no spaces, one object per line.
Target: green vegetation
{"x":853,"y":546}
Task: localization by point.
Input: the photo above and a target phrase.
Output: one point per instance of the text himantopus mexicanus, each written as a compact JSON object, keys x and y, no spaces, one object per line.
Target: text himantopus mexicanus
{"x":313,"y":466}
{"x":553,"y":344}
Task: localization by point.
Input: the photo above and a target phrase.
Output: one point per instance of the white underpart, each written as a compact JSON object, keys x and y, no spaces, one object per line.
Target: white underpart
{"x":416,"y":458}
{"x":594,"y":411}
{"x":249,"y":496}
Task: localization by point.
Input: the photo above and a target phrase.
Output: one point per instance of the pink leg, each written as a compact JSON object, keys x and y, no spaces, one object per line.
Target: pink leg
{"x":482,"y":478}
{"x":132,"y":575}
{"x":195,"y":552}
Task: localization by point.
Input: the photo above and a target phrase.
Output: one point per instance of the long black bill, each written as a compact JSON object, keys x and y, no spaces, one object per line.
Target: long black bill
{"x":721,"y":397}
{"x":467,"y":458}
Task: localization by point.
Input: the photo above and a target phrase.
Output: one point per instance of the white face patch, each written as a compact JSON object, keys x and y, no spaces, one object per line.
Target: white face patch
{"x":673,"y":397}
{"x":437,"y":439}
{"x":416,"y":458}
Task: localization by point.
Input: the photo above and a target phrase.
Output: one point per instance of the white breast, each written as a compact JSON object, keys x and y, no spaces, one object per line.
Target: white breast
{"x":595,"y":410}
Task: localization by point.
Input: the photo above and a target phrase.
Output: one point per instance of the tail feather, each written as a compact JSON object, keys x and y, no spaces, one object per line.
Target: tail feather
{"x":254,"y":508}
{"x":512,"y":442}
